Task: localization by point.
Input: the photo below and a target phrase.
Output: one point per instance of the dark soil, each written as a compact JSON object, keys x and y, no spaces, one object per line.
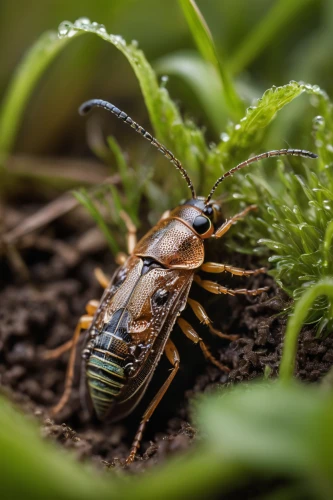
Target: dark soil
{"x":41,"y":299}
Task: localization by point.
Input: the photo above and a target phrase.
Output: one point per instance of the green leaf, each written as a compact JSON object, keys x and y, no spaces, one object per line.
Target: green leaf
{"x":165,"y":117}
{"x":185,"y":140}
{"x":26,"y":77}
{"x":244,"y":138}
{"x":300,"y":313}
{"x":203,"y":79}
{"x":274,"y":429}
{"x":86,"y":200}
{"x":35,"y":470}
{"x":205,"y":43}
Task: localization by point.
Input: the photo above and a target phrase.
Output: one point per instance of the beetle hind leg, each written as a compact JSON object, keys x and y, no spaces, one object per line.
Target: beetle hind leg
{"x":191,"y":334}
{"x":83,"y":323}
{"x":173,"y":356}
{"x":55,"y":353}
{"x":202,"y":316}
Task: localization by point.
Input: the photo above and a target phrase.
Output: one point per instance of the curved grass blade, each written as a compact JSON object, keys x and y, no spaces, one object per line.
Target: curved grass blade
{"x":302,"y":307}
{"x":202,"y":79}
{"x":184,"y":139}
{"x":165,"y":117}
{"x":33,"y":65}
{"x":87,"y":201}
{"x":242,"y":139}
{"x":205,"y":43}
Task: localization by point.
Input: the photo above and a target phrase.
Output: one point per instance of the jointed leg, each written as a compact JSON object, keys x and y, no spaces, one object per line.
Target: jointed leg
{"x":227,"y":225}
{"x":173,"y":356}
{"x":102,"y":279}
{"x":213,"y":287}
{"x":91,"y":308}
{"x":131,"y":231}
{"x":83,"y":324}
{"x":202,"y":316}
{"x":214,"y":267}
{"x":191,"y":334}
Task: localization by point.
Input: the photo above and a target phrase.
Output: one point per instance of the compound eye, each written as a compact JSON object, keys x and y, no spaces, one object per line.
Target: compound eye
{"x":201,"y":224}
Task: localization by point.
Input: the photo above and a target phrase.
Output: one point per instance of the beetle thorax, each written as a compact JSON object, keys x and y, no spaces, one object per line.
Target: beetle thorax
{"x":173,"y":242}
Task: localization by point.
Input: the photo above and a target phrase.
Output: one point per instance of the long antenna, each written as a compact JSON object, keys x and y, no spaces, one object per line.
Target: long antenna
{"x":88,"y":105}
{"x":262,"y":156}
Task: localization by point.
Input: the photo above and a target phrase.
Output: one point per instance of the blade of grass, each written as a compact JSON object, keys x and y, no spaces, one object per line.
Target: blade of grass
{"x":204,"y":81}
{"x":205,"y":43}
{"x":86,"y":200}
{"x":35,"y":470}
{"x":34,"y":63}
{"x":302,"y":307}
{"x":165,"y":117}
{"x":264,"y":32}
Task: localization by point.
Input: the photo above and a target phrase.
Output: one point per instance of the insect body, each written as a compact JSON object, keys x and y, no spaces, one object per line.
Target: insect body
{"x":129,"y":329}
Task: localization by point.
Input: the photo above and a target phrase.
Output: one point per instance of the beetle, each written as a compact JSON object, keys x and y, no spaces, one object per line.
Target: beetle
{"x":130,"y":327}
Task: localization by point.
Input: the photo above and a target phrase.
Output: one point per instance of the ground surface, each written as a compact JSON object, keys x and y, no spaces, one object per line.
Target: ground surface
{"x":41,"y":299}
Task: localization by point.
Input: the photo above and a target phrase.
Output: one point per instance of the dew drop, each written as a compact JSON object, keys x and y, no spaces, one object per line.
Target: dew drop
{"x":64,"y":28}
{"x":225,"y":137}
{"x":102,"y":29}
{"x":319,"y":121}
{"x":164,"y":80}
{"x":82,"y":21}
{"x":135,"y":44}
{"x":72,"y":32}
{"x":118,"y":40}
{"x":238,"y":126}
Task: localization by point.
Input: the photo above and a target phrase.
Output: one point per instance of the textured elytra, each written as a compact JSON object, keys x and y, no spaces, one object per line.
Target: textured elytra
{"x":173,"y":244}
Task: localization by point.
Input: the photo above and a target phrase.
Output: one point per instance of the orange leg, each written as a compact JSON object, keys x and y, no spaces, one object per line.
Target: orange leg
{"x":173,"y":356}
{"x":191,"y":334}
{"x":202,"y":316}
{"x":91,"y":308}
{"x":213,"y":287}
{"x":83,"y":324}
{"x":131,"y":231}
{"x":214,"y":267}
{"x":102,"y":279}
{"x":227,"y":225}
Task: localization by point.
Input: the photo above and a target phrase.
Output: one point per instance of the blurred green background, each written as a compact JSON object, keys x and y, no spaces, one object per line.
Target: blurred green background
{"x":262,"y":42}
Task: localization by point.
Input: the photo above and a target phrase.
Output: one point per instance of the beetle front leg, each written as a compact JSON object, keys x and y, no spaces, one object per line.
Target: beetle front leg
{"x":202,"y":316}
{"x":227,"y":225}
{"x":191,"y":334}
{"x":131,"y":231}
{"x":214,"y":267}
{"x":83,"y":324}
{"x":173,"y":356}
{"x":218,"y":289}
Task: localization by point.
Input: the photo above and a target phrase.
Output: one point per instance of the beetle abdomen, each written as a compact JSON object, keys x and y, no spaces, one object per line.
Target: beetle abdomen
{"x":105,"y":368}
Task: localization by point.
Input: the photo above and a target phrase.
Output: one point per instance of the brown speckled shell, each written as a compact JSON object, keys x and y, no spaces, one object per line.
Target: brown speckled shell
{"x":173,"y":242}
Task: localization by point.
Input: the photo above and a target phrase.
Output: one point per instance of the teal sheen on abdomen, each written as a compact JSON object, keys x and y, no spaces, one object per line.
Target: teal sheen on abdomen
{"x":105,"y":368}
